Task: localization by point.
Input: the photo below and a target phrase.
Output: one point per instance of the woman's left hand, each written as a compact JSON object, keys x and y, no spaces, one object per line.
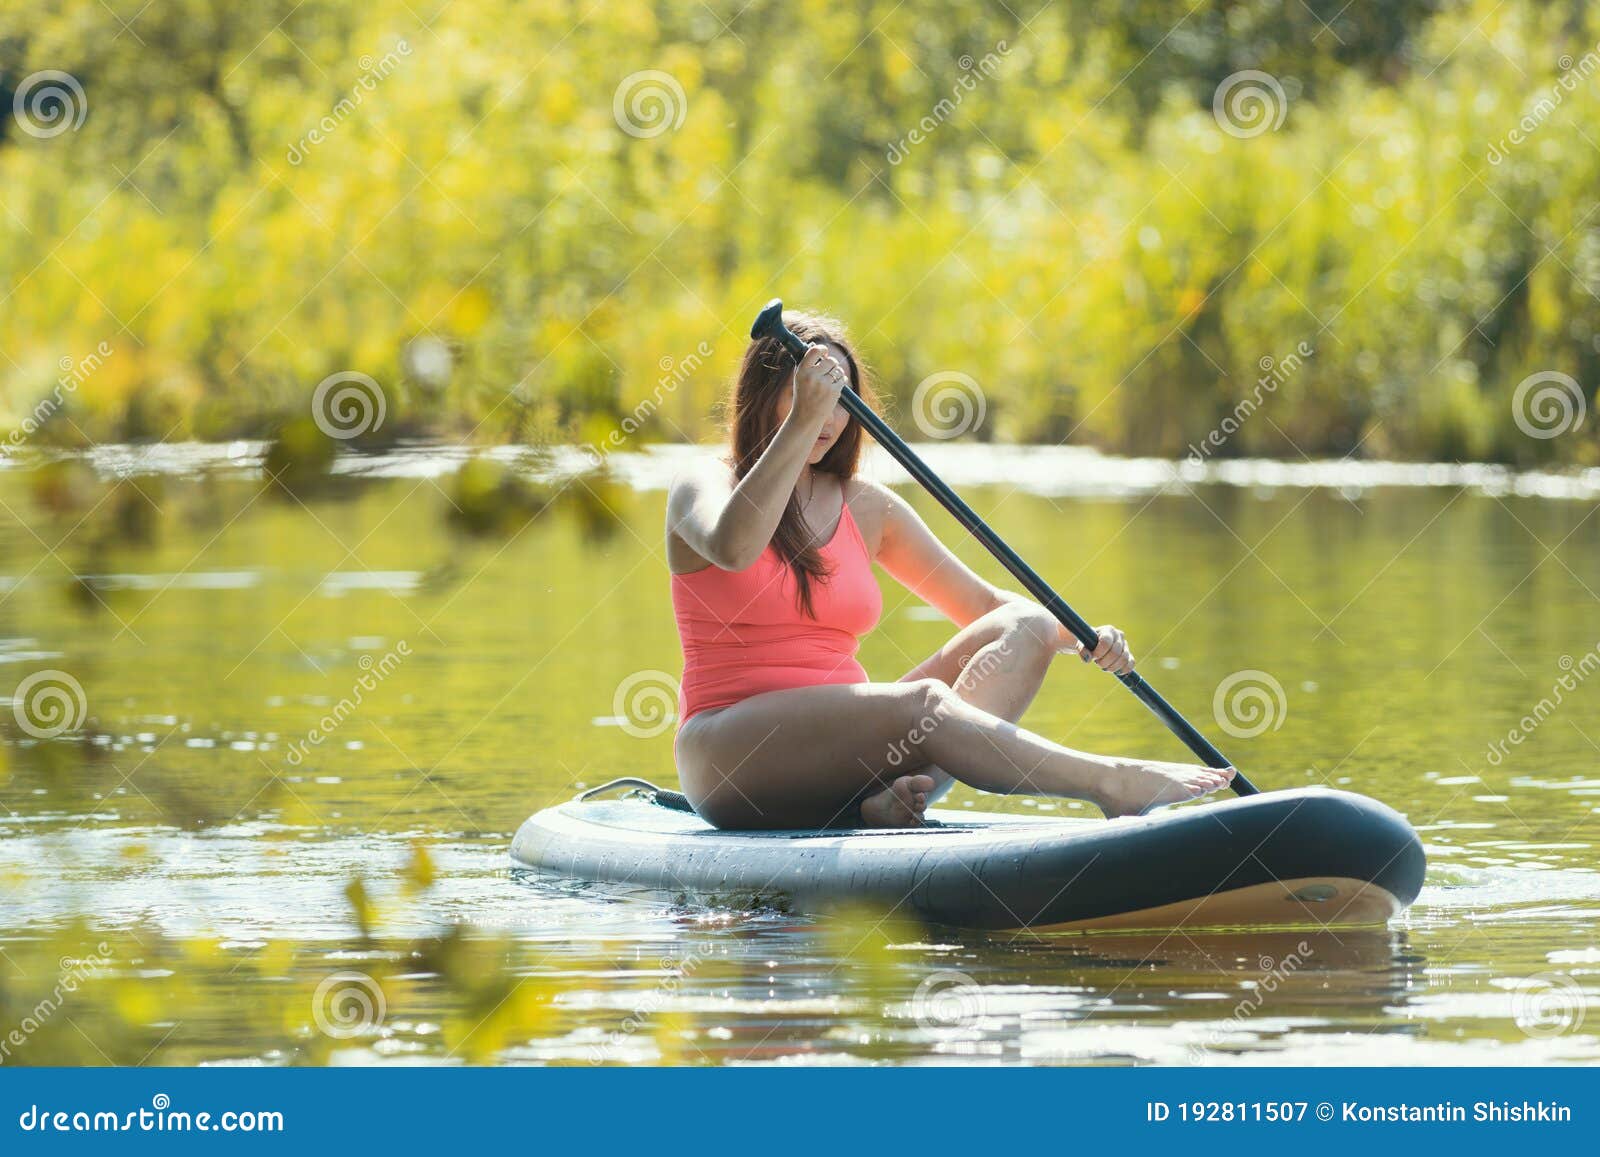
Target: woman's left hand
{"x":1111,"y":655}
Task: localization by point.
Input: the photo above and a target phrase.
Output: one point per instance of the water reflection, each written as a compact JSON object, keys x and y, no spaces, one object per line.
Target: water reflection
{"x":1411,"y":626}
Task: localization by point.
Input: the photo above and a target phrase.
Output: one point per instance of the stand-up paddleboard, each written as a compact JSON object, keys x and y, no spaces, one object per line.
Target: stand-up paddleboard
{"x":1303,"y":857}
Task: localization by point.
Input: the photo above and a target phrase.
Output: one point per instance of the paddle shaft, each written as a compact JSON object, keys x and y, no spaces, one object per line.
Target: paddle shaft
{"x":770,"y":324}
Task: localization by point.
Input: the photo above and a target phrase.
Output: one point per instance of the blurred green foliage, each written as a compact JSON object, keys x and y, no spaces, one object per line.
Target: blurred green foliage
{"x":81,"y":995}
{"x":475,"y":229}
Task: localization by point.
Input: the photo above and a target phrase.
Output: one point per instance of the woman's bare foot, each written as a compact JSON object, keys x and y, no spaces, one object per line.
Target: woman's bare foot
{"x":1132,"y":787}
{"x":900,"y":805}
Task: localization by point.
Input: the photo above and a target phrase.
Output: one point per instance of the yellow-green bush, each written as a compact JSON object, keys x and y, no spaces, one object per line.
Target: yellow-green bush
{"x":1078,"y":233}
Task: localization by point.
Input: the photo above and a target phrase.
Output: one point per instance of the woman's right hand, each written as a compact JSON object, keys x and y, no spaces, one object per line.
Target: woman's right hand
{"x":817,"y":381}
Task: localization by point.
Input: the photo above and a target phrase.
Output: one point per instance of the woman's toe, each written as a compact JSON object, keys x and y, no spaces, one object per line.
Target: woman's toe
{"x":910,"y":799}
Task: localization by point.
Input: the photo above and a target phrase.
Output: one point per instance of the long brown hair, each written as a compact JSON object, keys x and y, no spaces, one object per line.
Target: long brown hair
{"x":765,"y":375}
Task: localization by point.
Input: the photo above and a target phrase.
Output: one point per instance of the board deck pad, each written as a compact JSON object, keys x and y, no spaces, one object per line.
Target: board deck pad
{"x":640,"y":815}
{"x":1308,"y":856}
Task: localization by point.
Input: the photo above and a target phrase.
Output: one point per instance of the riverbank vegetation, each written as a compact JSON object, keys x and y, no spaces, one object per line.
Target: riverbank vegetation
{"x":1115,"y":219}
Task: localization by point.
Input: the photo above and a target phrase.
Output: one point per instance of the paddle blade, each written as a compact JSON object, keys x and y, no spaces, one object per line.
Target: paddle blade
{"x":769,"y":323}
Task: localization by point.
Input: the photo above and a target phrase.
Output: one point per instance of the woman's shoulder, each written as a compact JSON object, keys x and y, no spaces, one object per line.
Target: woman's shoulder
{"x":869,"y":496}
{"x":858,"y":489}
{"x":870,"y":505}
{"x":699,"y":473}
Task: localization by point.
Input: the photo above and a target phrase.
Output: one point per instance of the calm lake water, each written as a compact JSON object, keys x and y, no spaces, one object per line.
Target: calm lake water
{"x":224,"y":882}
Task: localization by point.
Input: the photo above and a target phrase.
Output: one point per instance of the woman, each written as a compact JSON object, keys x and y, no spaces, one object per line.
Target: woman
{"x":771,"y":556}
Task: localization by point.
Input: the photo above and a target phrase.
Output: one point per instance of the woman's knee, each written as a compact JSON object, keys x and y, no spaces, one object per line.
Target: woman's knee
{"x":1027,"y":628}
{"x":922,"y":702}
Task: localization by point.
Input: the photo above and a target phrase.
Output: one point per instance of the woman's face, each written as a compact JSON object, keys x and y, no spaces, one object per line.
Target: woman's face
{"x":837,"y":421}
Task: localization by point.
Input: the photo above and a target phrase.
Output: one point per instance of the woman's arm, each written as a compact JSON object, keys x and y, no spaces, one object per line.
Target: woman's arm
{"x":730,"y":525}
{"x":915,"y":557}
{"x":912,"y":554}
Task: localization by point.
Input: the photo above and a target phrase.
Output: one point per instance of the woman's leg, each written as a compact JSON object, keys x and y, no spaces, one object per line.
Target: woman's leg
{"x":802,"y":758}
{"x":997,"y":663}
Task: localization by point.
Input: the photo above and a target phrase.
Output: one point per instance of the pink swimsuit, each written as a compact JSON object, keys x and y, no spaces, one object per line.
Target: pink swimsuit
{"x":743,"y":632}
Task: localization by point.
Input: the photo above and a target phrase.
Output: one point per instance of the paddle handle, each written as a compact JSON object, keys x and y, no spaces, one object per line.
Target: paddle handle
{"x":770,"y":324}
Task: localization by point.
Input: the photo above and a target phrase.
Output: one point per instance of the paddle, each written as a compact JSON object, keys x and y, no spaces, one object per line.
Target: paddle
{"x":770,"y":324}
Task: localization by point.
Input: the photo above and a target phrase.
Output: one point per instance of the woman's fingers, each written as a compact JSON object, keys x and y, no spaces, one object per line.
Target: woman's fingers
{"x":818,"y":378}
{"x":822,"y":364}
{"x":1123,"y":656}
{"x":1112,"y":654}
